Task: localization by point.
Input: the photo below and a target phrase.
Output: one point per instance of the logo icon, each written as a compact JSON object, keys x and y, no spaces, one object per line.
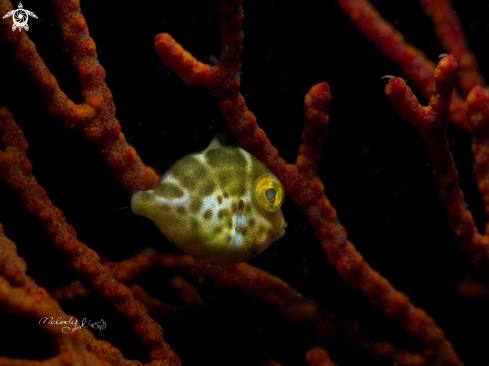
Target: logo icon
{"x":20,"y":17}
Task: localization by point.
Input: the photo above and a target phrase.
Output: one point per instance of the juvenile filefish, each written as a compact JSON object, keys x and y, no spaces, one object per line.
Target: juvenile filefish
{"x":221,"y":206}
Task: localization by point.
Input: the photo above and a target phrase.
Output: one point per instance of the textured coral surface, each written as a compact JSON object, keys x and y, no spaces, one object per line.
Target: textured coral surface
{"x":375,"y":170}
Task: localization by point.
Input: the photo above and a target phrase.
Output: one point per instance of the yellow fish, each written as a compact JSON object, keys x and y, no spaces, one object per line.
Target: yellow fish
{"x":222,"y":205}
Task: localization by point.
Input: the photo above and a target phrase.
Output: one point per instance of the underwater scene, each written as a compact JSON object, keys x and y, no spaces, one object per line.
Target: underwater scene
{"x":288,"y":300}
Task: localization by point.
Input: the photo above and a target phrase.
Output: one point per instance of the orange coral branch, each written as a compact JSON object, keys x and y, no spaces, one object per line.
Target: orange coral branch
{"x":307,"y":191}
{"x":473,"y":290}
{"x":95,"y":117}
{"x":262,"y":287}
{"x":16,"y":172}
{"x":478,"y":111}
{"x":411,"y":60}
{"x":35,"y":307}
{"x":70,"y":292}
{"x":431,"y":122}
{"x":318,"y":357}
{"x":451,"y":35}
{"x":156,"y":307}
{"x":21,"y":296}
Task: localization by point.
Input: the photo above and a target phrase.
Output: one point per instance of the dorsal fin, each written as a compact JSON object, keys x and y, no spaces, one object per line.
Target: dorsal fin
{"x":221,"y":140}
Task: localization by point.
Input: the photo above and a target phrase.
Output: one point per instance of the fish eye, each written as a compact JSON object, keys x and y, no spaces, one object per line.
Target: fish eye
{"x":269,"y":194}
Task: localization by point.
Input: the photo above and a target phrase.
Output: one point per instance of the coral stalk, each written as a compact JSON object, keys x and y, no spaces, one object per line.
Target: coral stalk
{"x":16,"y":172}
{"x":95,"y":117}
{"x":121,"y":281}
{"x":300,"y":181}
{"x":411,"y":60}
{"x":451,"y":35}
{"x":431,"y":122}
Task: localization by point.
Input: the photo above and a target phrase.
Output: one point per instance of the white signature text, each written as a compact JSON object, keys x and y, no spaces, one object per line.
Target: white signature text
{"x":73,"y":325}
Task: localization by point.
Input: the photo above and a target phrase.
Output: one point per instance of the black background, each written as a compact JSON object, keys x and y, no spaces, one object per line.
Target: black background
{"x":375,"y":170}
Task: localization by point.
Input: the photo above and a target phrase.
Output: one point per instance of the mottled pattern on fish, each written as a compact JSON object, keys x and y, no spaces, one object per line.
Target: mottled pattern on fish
{"x":221,"y":205}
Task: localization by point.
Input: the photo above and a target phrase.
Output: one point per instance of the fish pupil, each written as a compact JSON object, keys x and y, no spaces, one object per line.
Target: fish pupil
{"x":270,"y":194}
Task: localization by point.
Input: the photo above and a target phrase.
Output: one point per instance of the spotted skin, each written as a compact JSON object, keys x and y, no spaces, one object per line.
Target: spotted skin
{"x":211,"y":205}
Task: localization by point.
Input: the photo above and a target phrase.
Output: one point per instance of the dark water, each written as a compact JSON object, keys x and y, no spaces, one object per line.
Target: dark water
{"x":375,"y":170}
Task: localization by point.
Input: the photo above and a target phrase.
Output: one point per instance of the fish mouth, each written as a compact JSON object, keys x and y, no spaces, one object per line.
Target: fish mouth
{"x":133,"y":201}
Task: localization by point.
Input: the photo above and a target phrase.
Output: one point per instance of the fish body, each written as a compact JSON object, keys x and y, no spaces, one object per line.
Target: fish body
{"x":221,"y":206}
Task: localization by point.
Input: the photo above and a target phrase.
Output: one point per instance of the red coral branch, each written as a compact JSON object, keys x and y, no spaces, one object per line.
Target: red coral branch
{"x":264,"y":288}
{"x":451,"y":35}
{"x":318,"y":357}
{"x":156,"y":307}
{"x":306,"y":190}
{"x":478,"y":111}
{"x":15,"y":171}
{"x":95,"y":117}
{"x":431,"y":122}
{"x":411,"y":60}
{"x":21,"y":296}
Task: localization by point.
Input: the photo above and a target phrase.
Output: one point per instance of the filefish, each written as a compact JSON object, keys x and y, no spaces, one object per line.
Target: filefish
{"x":221,"y":206}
